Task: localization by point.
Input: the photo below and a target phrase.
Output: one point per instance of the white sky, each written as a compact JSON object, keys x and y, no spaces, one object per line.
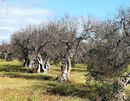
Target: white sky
{"x":13,"y":18}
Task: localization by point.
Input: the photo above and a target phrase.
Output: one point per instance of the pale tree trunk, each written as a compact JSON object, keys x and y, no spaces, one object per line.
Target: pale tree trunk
{"x":40,"y":64}
{"x":65,"y":69}
{"x":32,"y":63}
{"x":68,"y":67}
{"x":43,"y":65}
{"x":6,"y":56}
{"x":47,"y":65}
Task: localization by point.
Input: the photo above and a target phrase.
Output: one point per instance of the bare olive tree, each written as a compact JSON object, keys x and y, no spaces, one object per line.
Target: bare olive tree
{"x":32,"y":44}
{"x":66,"y":42}
{"x":108,"y":52}
{"x":20,"y":43}
{"x":39,"y":44}
{"x":6,"y":51}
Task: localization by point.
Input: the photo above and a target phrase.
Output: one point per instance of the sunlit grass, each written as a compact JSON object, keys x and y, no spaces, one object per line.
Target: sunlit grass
{"x":14,"y":62}
{"x":19,"y":85}
{"x":128,"y":69}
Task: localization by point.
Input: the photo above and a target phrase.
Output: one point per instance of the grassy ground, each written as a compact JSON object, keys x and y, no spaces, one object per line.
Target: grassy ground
{"x":18,"y":84}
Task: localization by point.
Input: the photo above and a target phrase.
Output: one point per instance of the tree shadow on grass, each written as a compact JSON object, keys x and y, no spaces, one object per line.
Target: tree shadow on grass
{"x":73,"y":70}
{"x":69,"y":89}
{"x":16,"y":68}
{"x":27,"y":76}
{"x":78,"y":70}
{"x":9,"y":68}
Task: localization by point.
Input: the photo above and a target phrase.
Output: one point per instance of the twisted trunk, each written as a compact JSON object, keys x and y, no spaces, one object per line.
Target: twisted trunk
{"x":40,"y":64}
{"x":47,"y":65}
{"x":65,"y":69}
{"x":43,"y":65}
{"x":26,"y":57}
{"x":7,"y":56}
{"x":121,"y":84}
{"x":26,"y":61}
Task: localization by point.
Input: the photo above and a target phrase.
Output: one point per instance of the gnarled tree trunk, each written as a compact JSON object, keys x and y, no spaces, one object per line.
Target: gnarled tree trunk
{"x":65,"y":69}
{"x":32,"y":63}
{"x":6,"y":56}
{"x":43,"y":65}
{"x":26,"y":61}
{"x":47,"y":65}
{"x":40,"y":64}
{"x":121,"y":84}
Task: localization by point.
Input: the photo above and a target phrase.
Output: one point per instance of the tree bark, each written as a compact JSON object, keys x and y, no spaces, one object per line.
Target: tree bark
{"x":43,"y":65}
{"x":65,"y":69}
{"x":68,"y":67}
{"x":32,"y":63}
{"x":6,"y":57}
{"x":40,"y":63}
{"x":26,"y":61}
{"x":26,"y":57}
{"x":47,"y":65}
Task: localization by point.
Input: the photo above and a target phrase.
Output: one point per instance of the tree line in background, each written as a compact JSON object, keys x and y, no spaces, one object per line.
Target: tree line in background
{"x":103,"y":45}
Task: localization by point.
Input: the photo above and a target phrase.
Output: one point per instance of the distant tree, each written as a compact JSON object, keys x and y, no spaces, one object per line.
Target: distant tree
{"x":6,"y":51}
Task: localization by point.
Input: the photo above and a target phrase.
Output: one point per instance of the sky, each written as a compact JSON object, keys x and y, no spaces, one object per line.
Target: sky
{"x":17,"y":14}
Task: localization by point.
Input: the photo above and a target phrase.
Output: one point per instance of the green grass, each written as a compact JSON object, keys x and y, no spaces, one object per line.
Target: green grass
{"x":21,"y":84}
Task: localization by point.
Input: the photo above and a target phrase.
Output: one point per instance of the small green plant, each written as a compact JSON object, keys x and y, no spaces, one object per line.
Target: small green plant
{"x":65,"y":89}
{"x":109,"y":92}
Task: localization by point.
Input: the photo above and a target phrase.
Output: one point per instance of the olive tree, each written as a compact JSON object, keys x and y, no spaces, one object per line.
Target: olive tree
{"x":39,"y":45}
{"x":20,"y":43}
{"x":31,"y":45}
{"x":109,"y":51}
{"x":6,"y":51}
{"x":66,"y":42}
